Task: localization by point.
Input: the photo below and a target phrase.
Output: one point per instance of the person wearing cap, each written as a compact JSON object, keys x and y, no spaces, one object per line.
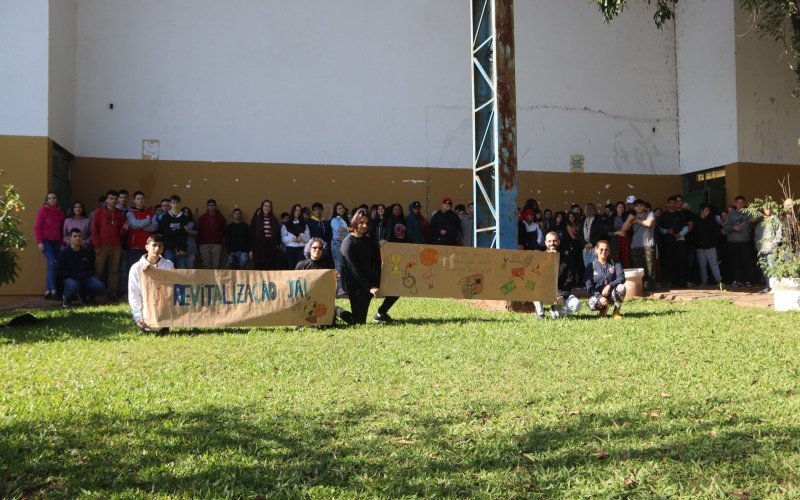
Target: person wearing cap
{"x":445,"y":225}
{"x":529,"y":234}
{"x":415,"y":223}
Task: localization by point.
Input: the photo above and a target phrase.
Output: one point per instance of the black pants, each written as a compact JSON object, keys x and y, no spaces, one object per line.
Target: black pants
{"x":739,"y":257}
{"x":359,"y":304}
{"x":675,"y":261}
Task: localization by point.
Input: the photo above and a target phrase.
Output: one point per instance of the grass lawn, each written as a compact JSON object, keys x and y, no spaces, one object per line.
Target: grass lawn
{"x":676,"y":400}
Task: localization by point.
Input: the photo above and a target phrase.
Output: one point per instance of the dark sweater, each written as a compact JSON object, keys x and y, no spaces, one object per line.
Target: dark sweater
{"x":706,"y":232}
{"x":173,"y":230}
{"x":238,"y":237}
{"x":77,"y":265}
{"x":599,"y":275}
{"x":360,"y":263}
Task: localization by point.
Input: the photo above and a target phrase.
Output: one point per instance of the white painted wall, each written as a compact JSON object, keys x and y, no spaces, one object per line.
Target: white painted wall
{"x":769,"y":118}
{"x":61,"y":102}
{"x":23,"y":67}
{"x":382,"y":82}
{"x":705,"y":46}
{"x":307,"y":81}
{"x":585,"y":87}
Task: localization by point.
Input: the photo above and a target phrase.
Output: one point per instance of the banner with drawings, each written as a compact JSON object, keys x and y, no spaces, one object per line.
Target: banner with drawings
{"x":205,"y":299}
{"x":410,"y":270}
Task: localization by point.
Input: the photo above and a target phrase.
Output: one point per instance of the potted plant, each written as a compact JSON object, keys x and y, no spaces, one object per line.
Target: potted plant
{"x":782,"y":262}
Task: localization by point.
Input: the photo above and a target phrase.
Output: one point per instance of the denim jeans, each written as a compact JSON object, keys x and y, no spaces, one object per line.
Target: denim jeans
{"x":237,"y":260}
{"x":50,"y":252}
{"x":179,"y":261}
{"x":72,"y":287}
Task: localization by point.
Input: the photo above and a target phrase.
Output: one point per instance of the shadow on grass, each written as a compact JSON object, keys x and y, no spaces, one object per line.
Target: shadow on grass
{"x":78,"y":323}
{"x":232,"y":452}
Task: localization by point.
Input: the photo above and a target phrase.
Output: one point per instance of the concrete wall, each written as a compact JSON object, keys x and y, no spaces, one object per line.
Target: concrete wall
{"x":705,"y":43}
{"x":769,"y":117}
{"x":23,"y":67}
{"x":608,"y":92}
{"x":383,"y":83}
{"x":61,"y":101}
{"x":309,"y":81}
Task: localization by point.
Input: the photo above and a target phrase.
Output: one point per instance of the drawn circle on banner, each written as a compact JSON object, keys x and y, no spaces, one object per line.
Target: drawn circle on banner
{"x":320,"y":310}
{"x":429,"y":257}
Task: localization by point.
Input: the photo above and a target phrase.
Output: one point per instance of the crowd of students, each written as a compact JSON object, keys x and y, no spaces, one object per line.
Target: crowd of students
{"x":91,"y":253}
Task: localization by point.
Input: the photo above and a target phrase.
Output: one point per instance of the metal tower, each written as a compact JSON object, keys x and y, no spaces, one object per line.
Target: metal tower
{"x":494,"y":124}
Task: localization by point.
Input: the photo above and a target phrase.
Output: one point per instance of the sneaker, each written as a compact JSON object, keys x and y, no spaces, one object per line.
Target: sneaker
{"x":616,"y":314}
{"x":601,"y":313}
{"x":346,"y":316}
{"x":766,"y":290}
{"x":736,"y":284}
{"x":382,"y":317}
{"x":539,"y":315}
{"x":554,"y":314}
{"x":747,"y":283}
{"x":65,"y":303}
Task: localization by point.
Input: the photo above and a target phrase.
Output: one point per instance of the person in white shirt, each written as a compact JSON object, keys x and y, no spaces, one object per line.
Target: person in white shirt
{"x":154,"y":247}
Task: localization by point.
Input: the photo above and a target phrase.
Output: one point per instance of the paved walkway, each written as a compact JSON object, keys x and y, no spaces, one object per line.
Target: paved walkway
{"x":742,"y":297}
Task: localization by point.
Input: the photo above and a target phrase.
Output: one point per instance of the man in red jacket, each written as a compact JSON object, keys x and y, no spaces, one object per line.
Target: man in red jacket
{"x":210,"y":235}
{"x":109,"y":226}
{"x":142,"y":223}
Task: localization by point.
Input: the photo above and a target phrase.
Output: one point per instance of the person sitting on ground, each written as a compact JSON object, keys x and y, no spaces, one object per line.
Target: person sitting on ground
{"x":320,"y":259}
{"x":154,"y":247}
{"x":605,"y":281}
{"x":75,"y":266}
{"x":566,"y":303}
{"x":238,"y":241}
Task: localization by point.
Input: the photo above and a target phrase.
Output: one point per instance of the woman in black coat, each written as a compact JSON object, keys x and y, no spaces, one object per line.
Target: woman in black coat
{"x":361,"y":270}
{"x":266,"y":232}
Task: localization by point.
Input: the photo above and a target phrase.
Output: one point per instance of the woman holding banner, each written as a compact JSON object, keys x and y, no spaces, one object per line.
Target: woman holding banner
{"x":361,"y":270}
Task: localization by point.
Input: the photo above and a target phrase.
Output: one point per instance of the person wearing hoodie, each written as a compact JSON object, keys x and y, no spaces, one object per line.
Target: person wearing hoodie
{"x":47,"y":228}
{"x":445,"y":225}
{"x":397,"y":224}
{"x":415,"y":223}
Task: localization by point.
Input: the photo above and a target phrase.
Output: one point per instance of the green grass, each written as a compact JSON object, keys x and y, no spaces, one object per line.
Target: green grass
{"x":693,"y":400}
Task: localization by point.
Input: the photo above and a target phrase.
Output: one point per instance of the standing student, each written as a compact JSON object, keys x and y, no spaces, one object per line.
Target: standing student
{"x":78,"y":220}
{"x":266,"y":233}
{"x":295,"y":234}
{"x":173,"y":227}
{"x":109,"y":227}
{"x":238,"y":241}
{"x":191,"y":235}
{"x":643,"y":242}
{"x":706,"y":236}
{"x":339,"y":230}
{"x":361,"y":271}
{"x":318,"y":227}
{"x":210,"y":235}
{"x":445,"y":225}
{"x":49,"y":221}
{"x":415,"y":223}
{"x":142,"y":222}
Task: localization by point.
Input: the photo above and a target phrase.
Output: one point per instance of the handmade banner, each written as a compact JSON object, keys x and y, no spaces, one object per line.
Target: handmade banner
{"x":205,"y":299}
{"x":409,"y":270}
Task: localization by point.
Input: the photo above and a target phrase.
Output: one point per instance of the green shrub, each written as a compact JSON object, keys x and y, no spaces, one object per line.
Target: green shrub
{"x":11,"y":237}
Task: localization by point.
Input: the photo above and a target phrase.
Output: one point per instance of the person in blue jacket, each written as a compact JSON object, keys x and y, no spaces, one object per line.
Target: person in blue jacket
{"x":605,"y":281}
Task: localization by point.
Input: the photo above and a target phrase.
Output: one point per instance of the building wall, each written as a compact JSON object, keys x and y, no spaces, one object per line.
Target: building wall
{"x":23,"y":67}
{"x":769,"y":117}
{"x":705,"y":43}
{"x":384,"y":83}
{"x":25,"y":162}
{"x":246,"y":184}
{"x":608,"y":92}
{"x":61,"y":100}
